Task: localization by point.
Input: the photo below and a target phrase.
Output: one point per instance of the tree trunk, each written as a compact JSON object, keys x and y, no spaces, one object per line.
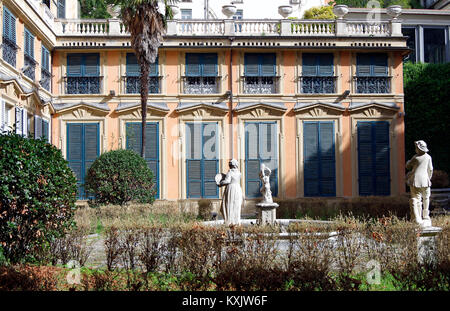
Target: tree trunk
{"x":145,"y":68}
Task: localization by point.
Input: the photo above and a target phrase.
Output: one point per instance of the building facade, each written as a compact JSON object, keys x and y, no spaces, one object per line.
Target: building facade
{"x":319,"y":102}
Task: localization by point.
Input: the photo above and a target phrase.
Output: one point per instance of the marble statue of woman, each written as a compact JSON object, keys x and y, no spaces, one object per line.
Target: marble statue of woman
{"x":419,"y":181}
{"x":232,"y":196}
{"x":264,"y":175}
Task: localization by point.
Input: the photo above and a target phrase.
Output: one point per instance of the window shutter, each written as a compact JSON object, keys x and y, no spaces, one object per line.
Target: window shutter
{"x":6,"y":23}
{"x":311,"y":158}
{"x":24,"y":123}
{"x":209,"y":65}
{"x":154,"y":71}
{"x":37,"y":127}
{"x":152,"y":151}
{"x":75,"y":154}
{"x":381,"y":156}
{"x":365,"y":160}
{"x":210,"y":169}
{"x":91,"y":65}
{"x":251,"y":65}
{"x":91,"y":146}
{"x":18,"y":117}
{"x":363,"y":65}
{"x":325,"y":64}
{"x":309,"y":67}
{"x":327,"y":159}
{"x":133,"y":69}
{"x":268,"y":152}
{"x":134,"y":137}
{"x":193,"y":67}
{"x":45,"y":130}
{"x":210,"y":162}
{"x":268,"y":64}
{"x":194,"y":178}
{"x":74,"y":64}
{"x":3,"y":118}
{"x":380,"y":64}
{"x":44,"y":58}
{"x":61,"y":9}
{"x":12,"y":25}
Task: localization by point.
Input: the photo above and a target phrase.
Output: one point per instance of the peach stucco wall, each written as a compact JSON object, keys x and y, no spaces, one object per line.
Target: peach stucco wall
{"x":290,"y":176}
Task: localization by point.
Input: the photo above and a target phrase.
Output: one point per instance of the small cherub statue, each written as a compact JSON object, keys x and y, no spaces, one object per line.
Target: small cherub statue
{"x":419,"y":181}
{"x":264,"y":175}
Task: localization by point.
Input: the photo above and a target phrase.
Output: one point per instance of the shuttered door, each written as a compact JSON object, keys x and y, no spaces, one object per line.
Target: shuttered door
{"x":373,"y":158}
{"x":260,"y":147}
{"x":319,"y":159}
{"x":83,"y":147}
{"x":134,"y":142}
{"x":202,"y":162}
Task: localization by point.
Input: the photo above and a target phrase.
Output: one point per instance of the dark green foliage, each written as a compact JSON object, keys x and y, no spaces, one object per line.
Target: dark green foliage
{"x":427,"y":108}
{"x":37,"y":196}
{"x":94,"y":9}
{"x":406,"y":4}
{"x":120,"y":176}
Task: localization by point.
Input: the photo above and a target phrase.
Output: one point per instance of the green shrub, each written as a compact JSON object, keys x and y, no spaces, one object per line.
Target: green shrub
{"x":37,"y":196}
{"x":118,"y":177}
{"x":323,"y":12}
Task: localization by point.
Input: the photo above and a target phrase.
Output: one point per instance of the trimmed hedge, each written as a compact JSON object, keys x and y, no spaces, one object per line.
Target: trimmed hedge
{"x":118,"y":177}
{"x":427,"y":108}
{"x":37,"y":196}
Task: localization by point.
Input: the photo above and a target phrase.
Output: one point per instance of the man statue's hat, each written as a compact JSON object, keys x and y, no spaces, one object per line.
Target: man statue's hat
{"x":421,"y":145}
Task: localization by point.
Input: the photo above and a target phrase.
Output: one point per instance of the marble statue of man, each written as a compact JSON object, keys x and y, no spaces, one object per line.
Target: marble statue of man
{"x":419,"y":181}
{"x":233,"y":197}
{"x":264,"y":175}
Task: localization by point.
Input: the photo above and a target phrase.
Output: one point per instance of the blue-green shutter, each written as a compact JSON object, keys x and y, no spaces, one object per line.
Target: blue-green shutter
{"x":209,"y":65}
{"x":91,"y":65}
{"x":260,"y":147}
{"x":132,"y":66}
{"x":45,"y":130}
{"x":193,"y":65}
{"x":251,"y":65}
{"x":154,"y":71}
{"x":9,"y":25}
{"x":268,"y":65}
{"x":45,"y":58}
{"x":74,"y":65}
{"x":372,"y":64}
{"x":373,"y":158}
{"x":380,"y":64}
{"x":309,"y":66}
{"x":325,"y":64}
{"x":29,"y":43}
{"x":75,"y":154}
{"x":363,"y":65}
{"x":319,"y":159}
{"x":61,"y":9}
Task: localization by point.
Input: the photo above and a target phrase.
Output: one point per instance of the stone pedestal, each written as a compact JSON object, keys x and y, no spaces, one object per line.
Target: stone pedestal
{"x":266,"y":213}
{"x":426,"y":244}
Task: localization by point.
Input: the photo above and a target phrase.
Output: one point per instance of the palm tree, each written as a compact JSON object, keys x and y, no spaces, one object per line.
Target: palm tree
{"x":147,"y":27}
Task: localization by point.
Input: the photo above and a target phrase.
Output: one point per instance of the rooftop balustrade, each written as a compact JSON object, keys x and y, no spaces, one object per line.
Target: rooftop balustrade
{"x":244,"y":28}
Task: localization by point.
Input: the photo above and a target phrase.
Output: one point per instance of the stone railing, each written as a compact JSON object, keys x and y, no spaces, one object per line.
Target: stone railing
{"x":229,"y":27}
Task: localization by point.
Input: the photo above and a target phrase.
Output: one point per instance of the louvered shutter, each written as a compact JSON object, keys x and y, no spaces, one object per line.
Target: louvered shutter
{"x":154,"y":71}
{"x":268,"y":152}
{"x":268,"y":64}
{"x":210,"y":162}
{"x":6,"y":23}
{"x":91,"y":65}
{"x":325,"y":64}
{"x":75,"y":154}
{"x":380,"y":64}
{"x":74,"y":65}
{"x":327,"y":159}
{"x":132,"y":66}
{"x":363,"y":65}
{"x":209,"y":65}
{"x":61,"y":9}
{"x":91,"y":149}
{"x":152,"y":151}
{"x":24,"y":123}
{"x":45,"y":61}
{"x":382,"y":158}
{"x":365,"y":158}
{"x":309,"y":66}
{"x":311,"y":158}
{"x":3,"y":118}
{"x":193,"y":160}
{"x":251,"y":65}
{"x":134,"y":137}
{"x":18,"y":118}
{"x":37,"y":127}
{"x":194,"y":178}
{"x":12,"y":31}
{"x":252,"y":162}
{"x":193,"y":65}
{"x":29,"y":43}
{"x":46,"y":130}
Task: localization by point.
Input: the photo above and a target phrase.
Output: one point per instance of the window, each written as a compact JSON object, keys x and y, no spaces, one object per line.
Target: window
{"x":83,"y":147}
{"x":133,"y":72}
{"x":41,"y":128}
{"x":260,"y":148}
{"x":319,"y":159}
{"x":411,"y":43}
{"x":317,"y":74}
{"x":260,"y":73}
{"x":238,"y":16}
{"x":4,"y":116}
{"x":372,"y":73}
{"x":434,"y":45}
{"x":61,"y":9}
{"x":373,"y":158}
{"x":186,"y":14}
{"x":46,"y":75}
{"x":134,"y":142}
{"x":21,"y":121}
{"x":202,"y":159}
{"x":47,"y":3}
{"x":29,"y":62}
{"x":83,"y":74}
{"x":201,"y":73}
{"x":9,"y":37}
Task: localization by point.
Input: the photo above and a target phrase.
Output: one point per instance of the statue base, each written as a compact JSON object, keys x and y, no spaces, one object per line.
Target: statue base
{"x":266,"y":213}
{"x":426,"y":244}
